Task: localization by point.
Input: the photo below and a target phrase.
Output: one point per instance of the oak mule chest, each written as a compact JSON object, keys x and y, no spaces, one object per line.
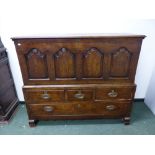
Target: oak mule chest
{"x":79,"y":77}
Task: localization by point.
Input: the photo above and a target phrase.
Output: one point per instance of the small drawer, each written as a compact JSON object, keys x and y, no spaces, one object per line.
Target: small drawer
{"x":44,"y":95}
{"x":113,"y":93}
{"x":79,"y":95}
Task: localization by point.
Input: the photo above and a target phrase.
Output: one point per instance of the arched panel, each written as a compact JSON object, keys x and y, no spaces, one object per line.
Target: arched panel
{"x":92,"y":64}
{"x":64,"y":62}
{"x":36,"y":64}
{"x":120,"y":62}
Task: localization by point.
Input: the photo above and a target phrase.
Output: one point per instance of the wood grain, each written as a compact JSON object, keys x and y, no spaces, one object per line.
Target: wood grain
{"x":79,"y":77}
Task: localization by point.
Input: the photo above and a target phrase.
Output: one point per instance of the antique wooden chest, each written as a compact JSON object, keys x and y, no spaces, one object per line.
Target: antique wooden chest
{"x":79,"y":77}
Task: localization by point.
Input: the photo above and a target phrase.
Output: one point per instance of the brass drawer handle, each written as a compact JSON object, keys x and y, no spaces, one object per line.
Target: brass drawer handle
{"x":45,"y":96}
{"x":48,"y":108}
{"x":112,"y":94}
{"x":79,"y":95}
{"x":110,"y":107}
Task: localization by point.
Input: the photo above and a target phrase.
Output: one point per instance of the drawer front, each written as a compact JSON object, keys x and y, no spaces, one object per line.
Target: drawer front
{"x":79,"y":95}
{"x":100,"y":108}
{"x":44,"y":95}
{"x":113,"y":93}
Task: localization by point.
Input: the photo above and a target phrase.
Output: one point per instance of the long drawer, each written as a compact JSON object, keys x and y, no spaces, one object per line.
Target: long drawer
{"x":45,"y":95}
{"x":93,"y":108}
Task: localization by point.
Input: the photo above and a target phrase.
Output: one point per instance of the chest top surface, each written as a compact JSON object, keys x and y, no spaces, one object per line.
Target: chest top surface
{"x":82,"y":35}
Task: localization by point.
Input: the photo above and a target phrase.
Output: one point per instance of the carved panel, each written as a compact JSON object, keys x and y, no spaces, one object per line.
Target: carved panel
{"x":92,"y":63}
{"x":120,"y":61}
{"x":64,"y":61}
{"x":36,"y":64}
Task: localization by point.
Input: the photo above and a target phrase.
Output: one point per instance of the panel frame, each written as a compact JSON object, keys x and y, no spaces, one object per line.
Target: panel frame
{"x":112,"y":59}
{"x":63,"y":50}
{"x":98,"y":51}
{"x":42,"y":56}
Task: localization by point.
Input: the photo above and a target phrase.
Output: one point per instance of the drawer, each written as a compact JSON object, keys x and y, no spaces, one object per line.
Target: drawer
{"x":51,"y":109}
{"x":44,"y":95}
{"x":105,"y":109}
{"x":113,"y":93}
{"x":102,"y":108}
{"x":79,"y":95}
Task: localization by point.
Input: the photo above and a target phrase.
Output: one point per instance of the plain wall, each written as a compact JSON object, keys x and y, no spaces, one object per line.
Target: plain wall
{"x":150,"y":94}
{"x":24,"y":20}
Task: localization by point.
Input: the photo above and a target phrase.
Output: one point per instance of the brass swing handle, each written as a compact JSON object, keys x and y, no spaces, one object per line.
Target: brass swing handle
{"x":112,"y":94}
{"x":110,"y":107}
{"x":45,"y":96}
{"x":79,"y":95}
{"x":48,"y":108}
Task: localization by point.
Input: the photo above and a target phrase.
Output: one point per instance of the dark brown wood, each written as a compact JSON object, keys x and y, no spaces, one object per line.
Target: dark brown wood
{"x":104,"y":50}
{"x":35,"y":58}
{"x":79,"y":95}
{"x":120,"y":61}
{"x":66,"y":59}
{"x":115,"y":92}
{"x":79,"y":77}
{"x":8,"y":96}
{"x":95,"y":69}
{"x":87,"y":108}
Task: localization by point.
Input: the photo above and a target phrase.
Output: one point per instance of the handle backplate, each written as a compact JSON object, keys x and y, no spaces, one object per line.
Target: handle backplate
{"x":48,"y":108}
{"x":110,"y":107}
{"x":79,"y":95}
{"x":45,"y":96}
{"x":112,"y":94}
